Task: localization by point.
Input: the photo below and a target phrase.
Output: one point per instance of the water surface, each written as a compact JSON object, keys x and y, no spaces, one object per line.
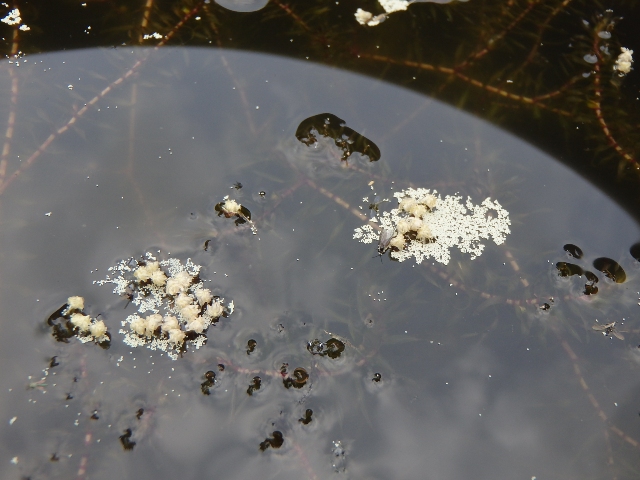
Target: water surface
{"x":487,"y":368}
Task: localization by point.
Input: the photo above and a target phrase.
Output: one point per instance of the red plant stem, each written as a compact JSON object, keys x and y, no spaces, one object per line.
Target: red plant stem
{"x":596,"y":104}
{"x":34,"y":156}
{"x":11,"y":121}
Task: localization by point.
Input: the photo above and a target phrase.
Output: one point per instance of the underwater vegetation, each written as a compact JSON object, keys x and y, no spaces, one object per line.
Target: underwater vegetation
{"x":203,"y":273}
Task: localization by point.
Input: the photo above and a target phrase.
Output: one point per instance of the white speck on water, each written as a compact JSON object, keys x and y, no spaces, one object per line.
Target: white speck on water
{"x":48,"y":214}
{"x":12,"y":421}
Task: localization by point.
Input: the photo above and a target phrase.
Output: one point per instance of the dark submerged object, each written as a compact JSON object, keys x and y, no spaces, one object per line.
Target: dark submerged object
{"x":275,"y":441}
{"x":306,"y":420}
{"x":573,"y":250}
{"x":126,"y":441}
{"x":297,"y":380}
{"x":611,"y":269}
{"x":346,"y":139}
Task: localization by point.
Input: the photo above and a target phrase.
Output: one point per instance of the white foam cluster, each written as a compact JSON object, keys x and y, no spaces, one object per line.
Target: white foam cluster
{"x":624,"y":61}
{"x":390,"y":6}
{"x":13,"y":18}
{"x":426,"y":226}
{"x":178,"y":308}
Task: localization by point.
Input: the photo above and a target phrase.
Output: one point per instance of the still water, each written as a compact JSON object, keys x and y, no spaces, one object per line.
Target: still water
{"x":485,"y":368}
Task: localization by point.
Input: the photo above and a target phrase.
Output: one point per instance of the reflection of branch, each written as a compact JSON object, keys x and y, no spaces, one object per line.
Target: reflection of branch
{"x":146,"y":14}
{"x":597,"y":106}
{"x":489,"y":88}
{"x":34,"y":156}
{"x":293,"y":15}
{"x":238,"y":85}
{"x":542,"y":28}
{"x":492,"y":41}
{"x":11,"y":121}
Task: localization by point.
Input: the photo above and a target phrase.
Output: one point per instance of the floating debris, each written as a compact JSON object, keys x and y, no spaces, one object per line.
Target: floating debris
{"x":566,"y":269}
{"x":390,"y":6}
{"x":332,"y":348}
{"x":306,"y":420}
{"x":297,"y":380}
{"x":210,"y":381}
{"x":345,"y":138}
{"x":255,"y":385}
{"x":608,"y":330}
{"x":624,"y":61}
{"x":339,"y":461}
{"x":181,"y":309}
{"x":126,"y":441}
{"x":611,"y":269}
{"x":426,"y":226}
{"x":230,"y":209}
{"x":275,"y":441}
{"x":69,"y":321}
{"x":573,"y":250}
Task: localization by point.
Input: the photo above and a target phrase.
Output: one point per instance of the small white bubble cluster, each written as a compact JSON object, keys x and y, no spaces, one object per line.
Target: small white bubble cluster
{"x":13,"y":18}
{"x":390,"y":6}
{"x":87,"y":329}
{"x":624,"y":61}
{"x":174,"y":300}
{"x":426,"y":226}
{"x":154,"y":35}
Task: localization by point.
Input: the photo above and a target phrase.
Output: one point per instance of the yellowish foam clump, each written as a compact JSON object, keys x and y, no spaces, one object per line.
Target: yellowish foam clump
{"x":624,"y":61}
{"x":215,"y":310}
{"x":403,"y":226}
{"x":428,"y":200}
{"x":418,"y":210}
{"x":98,"y":329}
{"x":178,"y":283}
{"x":197,"y":325}
{"x":158,"y":278}
{"x":415,"y":224}
{"x":75,"y":303}
{"x":424,"y":233}
{"x":406,"y":204}
{"x":144,"y":272}
{"x":139,"y":325}
{"x":190,"y":312}
{"x":397,"y":242}
{"x":231,"y":206}
{"x":203,"y":295}
{"x":176,"y":336}
{"x":170,"y":323}
{"x":153,"y":322}
{"x":83,"y":322}
{"x":183,"y":300}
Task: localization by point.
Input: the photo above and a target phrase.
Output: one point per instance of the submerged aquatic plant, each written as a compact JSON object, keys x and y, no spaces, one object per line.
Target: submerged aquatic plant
{"x":426,"y":226}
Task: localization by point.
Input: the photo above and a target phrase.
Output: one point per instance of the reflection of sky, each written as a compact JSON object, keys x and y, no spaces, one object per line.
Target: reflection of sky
{"x":495,"y":395}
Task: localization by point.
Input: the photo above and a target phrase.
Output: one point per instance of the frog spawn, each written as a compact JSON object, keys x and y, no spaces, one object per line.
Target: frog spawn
{"x":181,"y":308}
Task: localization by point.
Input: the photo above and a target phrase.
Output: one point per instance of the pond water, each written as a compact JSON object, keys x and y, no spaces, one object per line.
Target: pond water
{"x":481,"y":368}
